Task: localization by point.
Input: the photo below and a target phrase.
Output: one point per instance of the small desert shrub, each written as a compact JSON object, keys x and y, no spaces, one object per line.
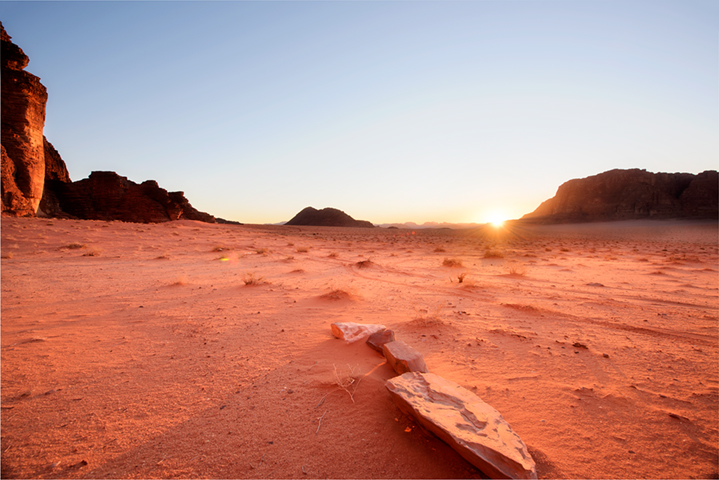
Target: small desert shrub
{"x":163,"y":257}
{"x":337,"y":294}
{"x":250,"y":279}
{"x":348,"y":381}
{"x":452,"y":262}
{"x":493,"y":254}
{"x":364,"y":263}
{"x":564,"y":249}
{"x":302,"y":250}
{"x":461,"y":277}
{"x":547,"y":249}
{"x":74,"y":246}
{"x":288,"y":259}
{"x":439,"y":250}
{"x":517,"y":270}
{"x":333,"y":255}
{"x":220,"y":248}
{"x":92,"y":253}
{"x":261,"y":251}
{"x":297,"y":270}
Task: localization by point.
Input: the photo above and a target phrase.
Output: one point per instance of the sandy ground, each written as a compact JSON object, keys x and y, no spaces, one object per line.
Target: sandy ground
{"x":195,"y":350}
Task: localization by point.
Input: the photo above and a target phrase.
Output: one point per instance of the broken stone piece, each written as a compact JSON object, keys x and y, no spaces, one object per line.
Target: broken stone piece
{"x":378,"y":339}
{"x":464,"y":422}
{"x":351,"y":332}
{"x":403,"y":358}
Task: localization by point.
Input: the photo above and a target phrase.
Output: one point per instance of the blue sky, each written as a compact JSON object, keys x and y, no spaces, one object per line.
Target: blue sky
{"x":391,"y":111}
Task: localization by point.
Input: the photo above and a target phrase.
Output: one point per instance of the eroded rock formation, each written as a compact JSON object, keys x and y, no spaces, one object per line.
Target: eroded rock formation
{"x":632,"y":194}
{"x":35,"y":179}
{"x":327,"y":217}
{"x":23,"y":120}
{"x":108,"y":196}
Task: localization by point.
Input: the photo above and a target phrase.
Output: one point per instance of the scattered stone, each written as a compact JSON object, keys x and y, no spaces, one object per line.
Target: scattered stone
{"x":378,"y":339}
{"x":403,"y":358}
{"x":595,"y":284}
{"x":351,"y":332}
{"x":462,"y":420}
{"x":579,"y":345}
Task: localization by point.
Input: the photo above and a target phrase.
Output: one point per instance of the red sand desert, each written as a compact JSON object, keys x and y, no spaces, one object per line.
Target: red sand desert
{"x":187,"y":349}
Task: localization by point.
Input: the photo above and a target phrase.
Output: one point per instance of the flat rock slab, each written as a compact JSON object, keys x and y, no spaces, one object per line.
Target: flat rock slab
{"x":378,"y":339}
{"x":351,"y":332}
{"x":403,"y":358}
{"x":463,"y":421}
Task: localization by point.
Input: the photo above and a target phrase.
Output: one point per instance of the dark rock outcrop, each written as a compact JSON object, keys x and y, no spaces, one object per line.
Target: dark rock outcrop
{"x":108,"y":196}
{"x":23,"y":119}
{"x":35,"y":179}
{"x":327,"y":217}
{"x":632,"y":194}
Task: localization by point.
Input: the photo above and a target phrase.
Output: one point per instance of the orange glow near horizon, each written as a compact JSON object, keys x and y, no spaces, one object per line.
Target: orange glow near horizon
{"x":496,"y":219}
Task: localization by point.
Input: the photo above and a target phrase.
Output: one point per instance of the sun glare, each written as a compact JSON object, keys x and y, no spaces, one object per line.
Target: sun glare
{"x":496,"y":220}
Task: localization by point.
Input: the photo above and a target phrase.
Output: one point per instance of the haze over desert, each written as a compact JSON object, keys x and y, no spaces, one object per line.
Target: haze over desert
{"x":188,"y":349}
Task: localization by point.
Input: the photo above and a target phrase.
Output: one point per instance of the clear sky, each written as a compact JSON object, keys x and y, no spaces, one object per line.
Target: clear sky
{"x":391,"y":111}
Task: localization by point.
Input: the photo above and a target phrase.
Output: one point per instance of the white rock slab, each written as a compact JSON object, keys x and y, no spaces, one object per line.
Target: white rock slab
{"x":351,"y":332}
{"x":463,"y":421}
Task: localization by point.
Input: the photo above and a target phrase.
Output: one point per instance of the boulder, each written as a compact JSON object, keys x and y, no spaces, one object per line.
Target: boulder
{"x":351,"y":332}
{"x":403,"y":358}
{"x":463,"y":421}
{"x":378,"y":339}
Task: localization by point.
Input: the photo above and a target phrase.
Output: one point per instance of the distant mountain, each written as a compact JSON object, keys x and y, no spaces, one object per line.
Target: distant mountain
{"x":632,"y":194}
{"x":327,"y":217}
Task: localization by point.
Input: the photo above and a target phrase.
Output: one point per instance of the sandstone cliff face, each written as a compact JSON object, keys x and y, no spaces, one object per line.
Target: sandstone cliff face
{"x":35,"y":180}
{"x":632,"y":194}
{"x":108,"y":196}
{"x":23,"y":119}
{"x":327,"y":217}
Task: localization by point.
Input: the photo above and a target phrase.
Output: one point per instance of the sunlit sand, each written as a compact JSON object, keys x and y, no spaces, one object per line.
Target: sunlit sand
{"x":196,"y":350}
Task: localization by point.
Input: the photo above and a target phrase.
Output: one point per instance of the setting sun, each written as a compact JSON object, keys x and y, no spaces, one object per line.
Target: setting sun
{"x":497,"y":219}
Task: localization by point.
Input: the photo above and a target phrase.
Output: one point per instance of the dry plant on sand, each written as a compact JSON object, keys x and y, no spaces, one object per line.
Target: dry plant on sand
{"x":493,"y":254}
{"x":517,"y":270}
{"x":73,"y":246}
{"x":337,"y":294}
{"x":250,"y":279}
{"x":348,"y":381}
{"x":429,"y":319}
{"x":452,"y":262}
{"x":365,"y":263}
{"x":302,"y":250}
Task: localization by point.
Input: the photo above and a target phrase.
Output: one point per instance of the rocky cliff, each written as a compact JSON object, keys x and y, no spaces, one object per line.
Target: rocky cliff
{"x":108,"y":196}
{"x":35,"y":179}
{"x":24,"y":162}
{"x":327,"y":217}
{"x":632,"y":194}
